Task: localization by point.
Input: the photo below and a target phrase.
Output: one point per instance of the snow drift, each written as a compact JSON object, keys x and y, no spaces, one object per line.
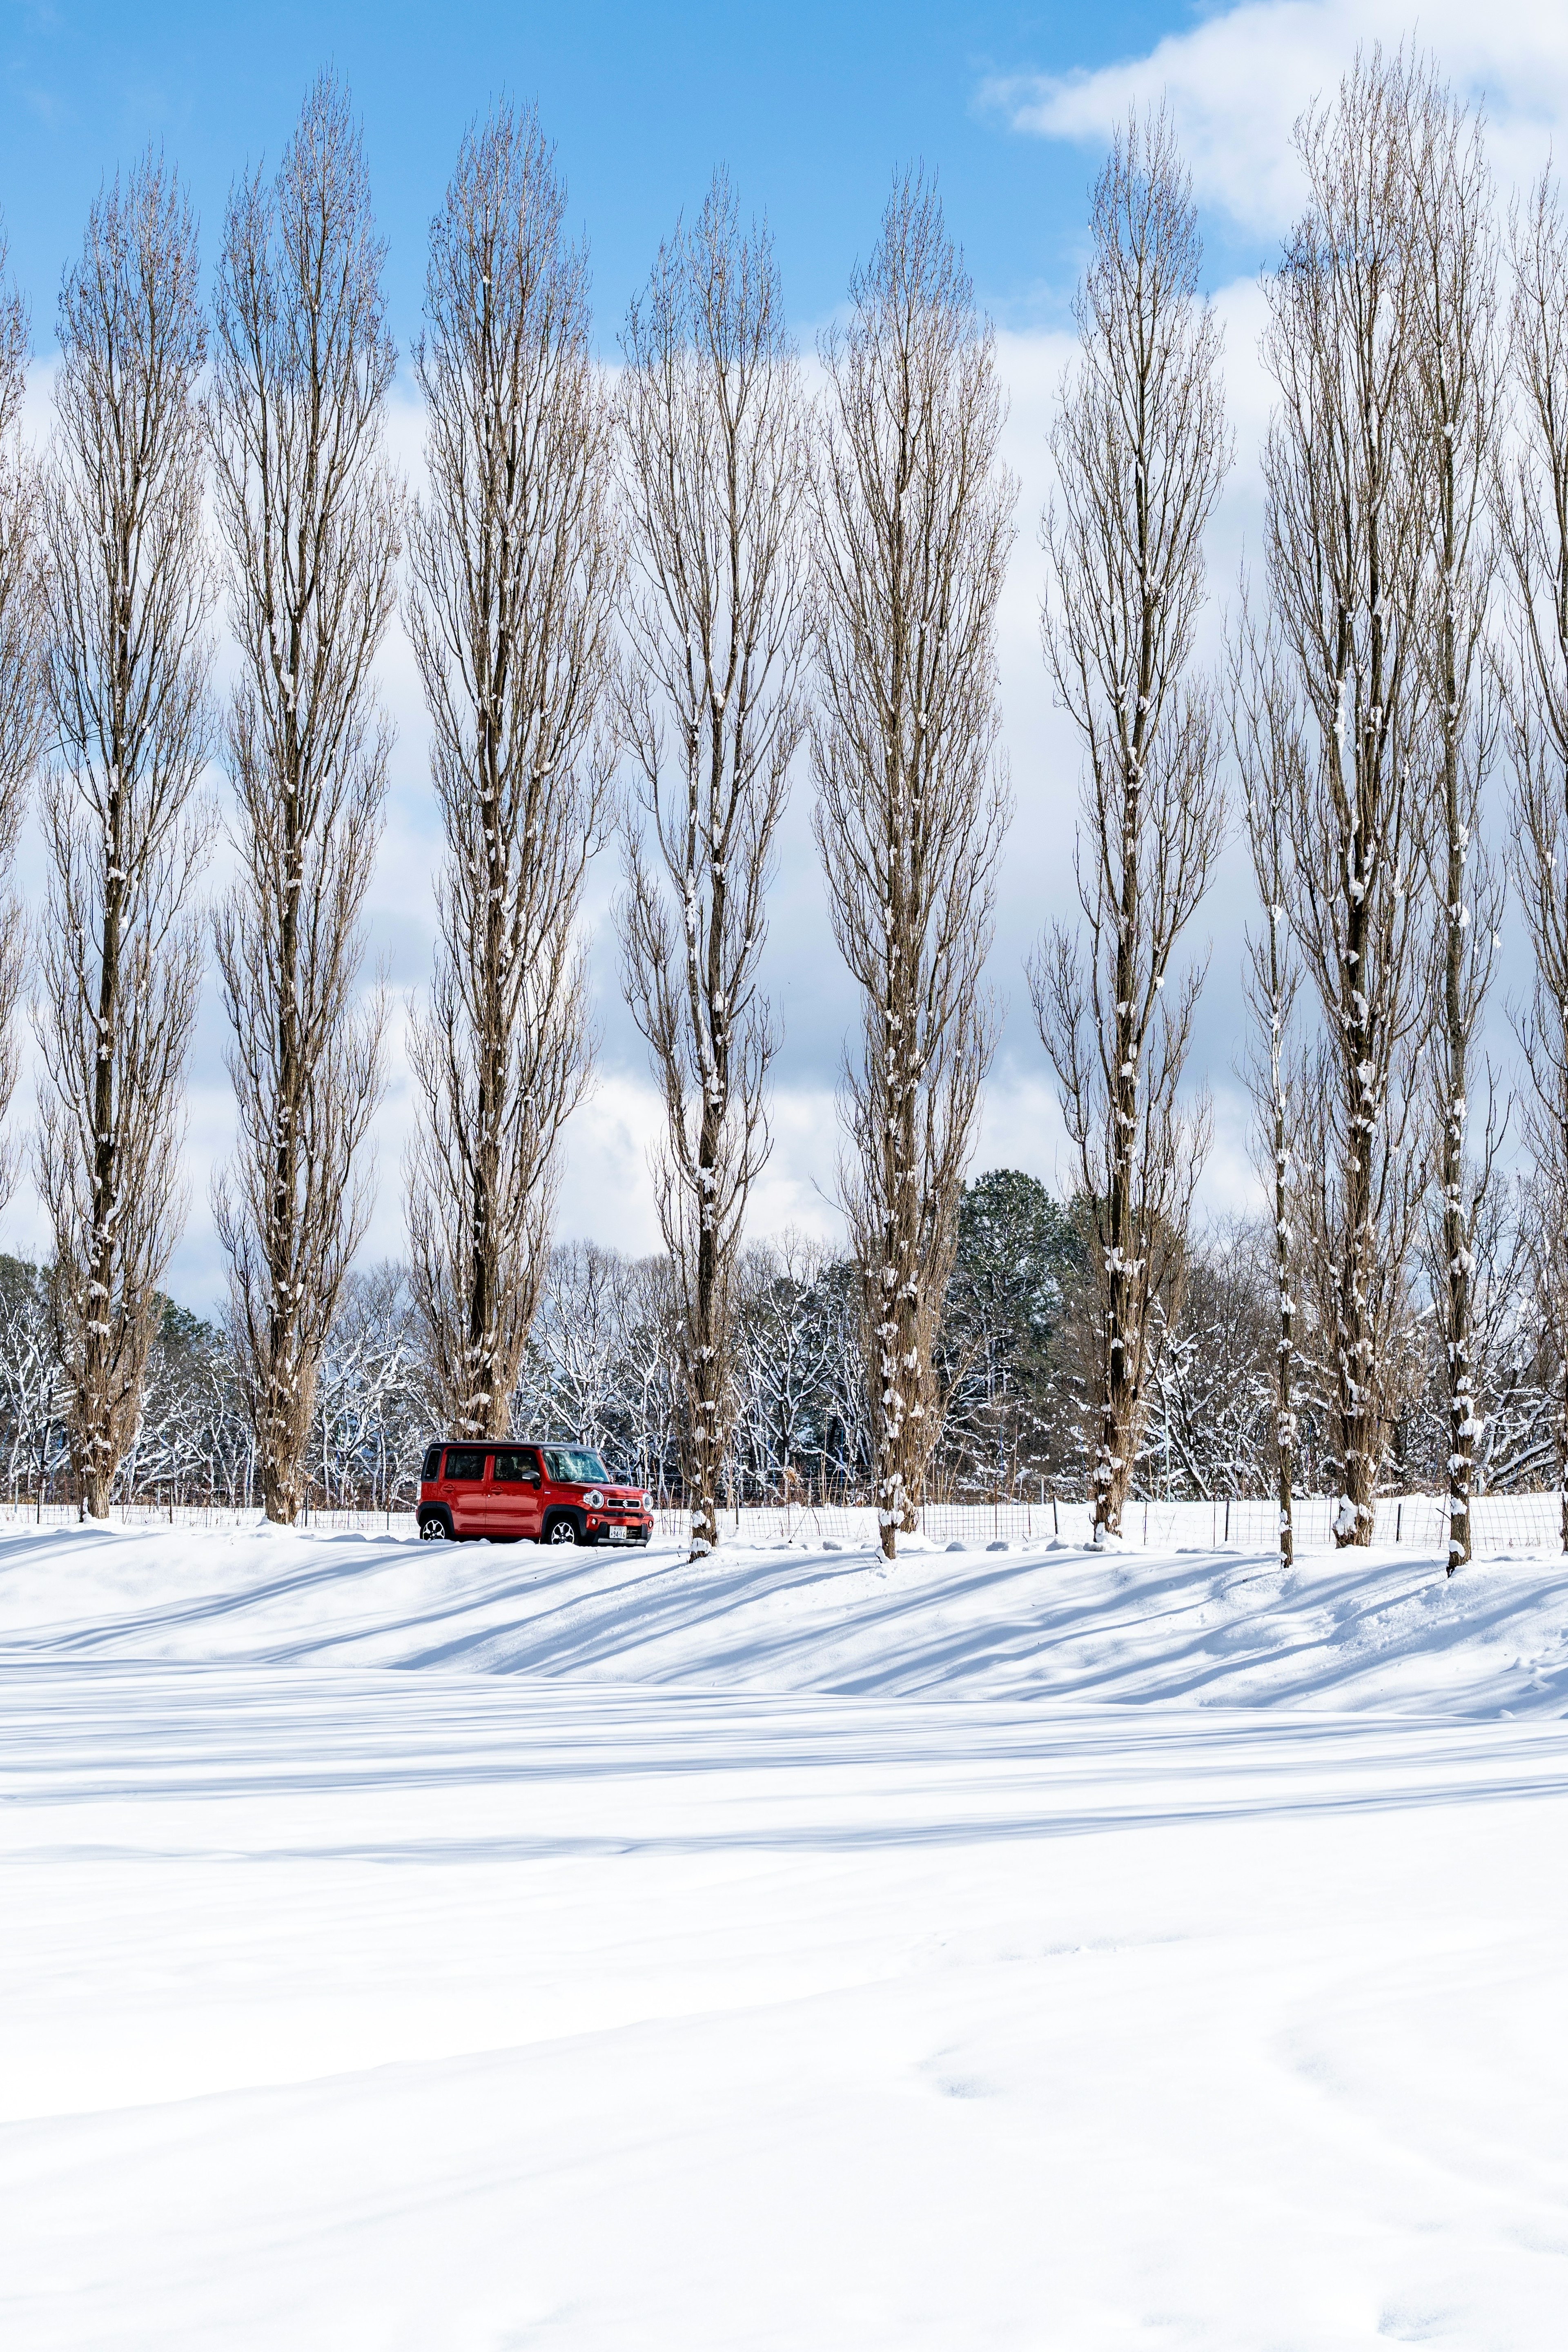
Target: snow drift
{"x":482,"y":1948}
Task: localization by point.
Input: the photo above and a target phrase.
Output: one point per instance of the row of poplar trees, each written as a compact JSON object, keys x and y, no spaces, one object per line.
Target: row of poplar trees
{"x":1404,"y":639}
{"x":637,"y":598}
{"x":631,"y":596}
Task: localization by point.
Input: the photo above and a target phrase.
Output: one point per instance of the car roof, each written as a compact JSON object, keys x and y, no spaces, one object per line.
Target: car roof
{"x":506,"y":1444}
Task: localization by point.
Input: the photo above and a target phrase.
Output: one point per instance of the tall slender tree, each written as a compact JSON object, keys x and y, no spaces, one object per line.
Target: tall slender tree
{"x":914,"y":521}
{"x":308,"y":514}
{"x":714,"y":462}
{"x":1459,"y":360}
{"x":126,"y":659}
{"x":1345,"y":552}
{"x":20,"y":704}
{"x":514,"y":566}
{"x":1532,"y":510}
{"x":1140,"y":452}
{"x":1271,"y":752}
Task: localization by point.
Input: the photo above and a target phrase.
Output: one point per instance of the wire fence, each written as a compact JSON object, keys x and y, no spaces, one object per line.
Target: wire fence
{"x":1415,"y":1522}
{"x":218,"y":1518}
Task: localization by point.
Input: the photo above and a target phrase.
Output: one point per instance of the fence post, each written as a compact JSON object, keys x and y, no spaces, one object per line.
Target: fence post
{"x":1227,"y":1518}
{"x":1398,"y":1521}
{"x":1056,"y":1523}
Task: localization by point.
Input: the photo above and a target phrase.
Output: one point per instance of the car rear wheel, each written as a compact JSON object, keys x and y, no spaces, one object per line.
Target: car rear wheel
{"x":434,"y":1529}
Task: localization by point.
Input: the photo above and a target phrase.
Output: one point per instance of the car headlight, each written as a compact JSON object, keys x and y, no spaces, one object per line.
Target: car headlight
{"x":594,"y":1499}
{"x":648,"y":1502}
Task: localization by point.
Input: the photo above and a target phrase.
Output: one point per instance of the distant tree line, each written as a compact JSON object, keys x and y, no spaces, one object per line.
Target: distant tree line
{"x":639,"y":602}
{"x":1014,"y":1372}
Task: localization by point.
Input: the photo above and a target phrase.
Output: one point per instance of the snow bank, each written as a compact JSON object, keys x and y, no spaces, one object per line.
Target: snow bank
{"x":408,"y":1947}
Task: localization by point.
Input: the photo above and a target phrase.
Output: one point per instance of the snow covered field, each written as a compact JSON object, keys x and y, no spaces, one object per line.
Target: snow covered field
{"x":478,"y":1948}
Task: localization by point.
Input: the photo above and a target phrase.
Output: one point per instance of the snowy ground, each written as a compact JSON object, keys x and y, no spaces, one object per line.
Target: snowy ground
{"x":479,"y":1948}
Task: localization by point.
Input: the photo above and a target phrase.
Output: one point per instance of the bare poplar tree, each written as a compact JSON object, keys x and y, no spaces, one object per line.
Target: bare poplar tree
{"x":1344,"y":548}
{"x":913,"y":522}
{"x":126,"y":659}
{"x":1140,"y":452}
{"x":1532,"y":508}
{"x":714,"y":461}
{"x":514,"y":579}
{"x":1459,"y":385}
{"x":20,"y":707}
{"x":1267,"y":736}
{"x":309,"y":515}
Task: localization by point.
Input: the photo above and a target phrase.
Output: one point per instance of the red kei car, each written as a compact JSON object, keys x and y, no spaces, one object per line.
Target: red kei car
{"x":552,"y":1494}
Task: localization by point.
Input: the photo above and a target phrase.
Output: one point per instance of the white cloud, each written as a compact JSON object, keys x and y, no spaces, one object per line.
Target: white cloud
{"x":1237,"y":81}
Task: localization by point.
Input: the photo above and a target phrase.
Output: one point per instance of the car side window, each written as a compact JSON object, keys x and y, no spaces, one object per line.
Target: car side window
{"x":432,"y":1469}
{"x":516,"y":1470}
{"x":464,"y":1465}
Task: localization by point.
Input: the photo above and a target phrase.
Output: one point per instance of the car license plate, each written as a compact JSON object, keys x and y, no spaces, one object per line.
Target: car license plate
{"x":617,"y":1535}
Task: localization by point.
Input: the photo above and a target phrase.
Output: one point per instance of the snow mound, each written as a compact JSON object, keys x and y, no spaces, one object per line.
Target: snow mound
{"x":416,"y":1946}
{"x":1385,"y":1631}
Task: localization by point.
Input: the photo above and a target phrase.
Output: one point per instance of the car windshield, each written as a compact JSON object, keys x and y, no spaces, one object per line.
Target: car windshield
{"x":574,"y":1466}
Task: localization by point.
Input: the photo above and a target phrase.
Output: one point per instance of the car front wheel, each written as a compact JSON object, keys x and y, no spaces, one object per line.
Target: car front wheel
{"x":561,"y":1531}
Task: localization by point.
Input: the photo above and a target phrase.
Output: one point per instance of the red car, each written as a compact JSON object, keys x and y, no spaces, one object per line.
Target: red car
{"x":552,"y":1494}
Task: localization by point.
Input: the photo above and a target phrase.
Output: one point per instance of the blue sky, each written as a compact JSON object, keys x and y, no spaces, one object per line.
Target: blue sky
{"x":811,"y":108}
{"x":811,"y":105}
